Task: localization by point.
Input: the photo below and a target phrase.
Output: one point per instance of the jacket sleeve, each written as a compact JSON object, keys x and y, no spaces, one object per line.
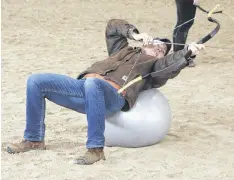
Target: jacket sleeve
{"x":117,"y":33}
{"x":168,"y":67}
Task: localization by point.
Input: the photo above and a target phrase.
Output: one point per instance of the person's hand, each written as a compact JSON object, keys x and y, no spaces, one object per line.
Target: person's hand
{"x":195,"y":48}
{"x":142,"y":36}
{"x":195,"y":2}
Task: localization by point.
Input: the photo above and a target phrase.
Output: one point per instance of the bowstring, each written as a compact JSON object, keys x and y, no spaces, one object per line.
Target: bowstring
{"x":177,"y":44}
{"x":231,"y":17}
{"x":132,"y":69}
{"x":184,"y":23}
{"x":221,"y":12}
{"x":140,"y":51}
{"x":180,"y":44}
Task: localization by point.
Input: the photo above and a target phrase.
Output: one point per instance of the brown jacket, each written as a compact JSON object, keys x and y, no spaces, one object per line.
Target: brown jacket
{"x":122,"y":58}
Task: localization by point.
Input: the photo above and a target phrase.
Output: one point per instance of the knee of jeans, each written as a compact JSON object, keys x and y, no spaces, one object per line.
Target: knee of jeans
{"x":33,"y":80}
{"x":92,"y":83}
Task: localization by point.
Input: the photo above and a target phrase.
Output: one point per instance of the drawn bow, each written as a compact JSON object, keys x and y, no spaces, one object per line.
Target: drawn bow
{"x":188,"y":54}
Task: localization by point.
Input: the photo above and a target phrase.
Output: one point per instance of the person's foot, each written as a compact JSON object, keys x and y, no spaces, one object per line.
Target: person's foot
{"x":91,"y":156}
{"x":24,"y":146}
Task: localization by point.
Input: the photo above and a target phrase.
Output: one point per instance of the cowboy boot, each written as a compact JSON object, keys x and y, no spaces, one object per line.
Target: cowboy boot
{"x":91,"y":156}
{"x":24,"y":146}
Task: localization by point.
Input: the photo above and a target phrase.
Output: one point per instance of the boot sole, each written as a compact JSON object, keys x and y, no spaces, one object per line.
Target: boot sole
{"x":10,"y":151}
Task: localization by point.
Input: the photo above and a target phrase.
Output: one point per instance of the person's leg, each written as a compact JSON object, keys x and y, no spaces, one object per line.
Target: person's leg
{"x":185,"y":12}
{"x":100,"y":99}
{"x":92,"y":96}
{"x":60,"y":89}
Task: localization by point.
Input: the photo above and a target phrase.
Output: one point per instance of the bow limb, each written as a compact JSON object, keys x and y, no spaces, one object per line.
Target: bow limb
{"x":130,"y":83}
{"x":211,"y":34}
{"x":214,"y":12}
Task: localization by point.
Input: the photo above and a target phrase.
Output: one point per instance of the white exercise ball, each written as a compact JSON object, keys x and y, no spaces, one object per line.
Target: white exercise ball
{"x":146,"y":123}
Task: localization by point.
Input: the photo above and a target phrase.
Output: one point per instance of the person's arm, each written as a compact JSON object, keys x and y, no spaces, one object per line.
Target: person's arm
{"x":117,"y":33}
{"x":170,"y":66}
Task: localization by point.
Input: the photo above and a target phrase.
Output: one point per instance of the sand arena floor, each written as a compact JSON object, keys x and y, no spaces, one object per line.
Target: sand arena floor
{"x":66,"y":36}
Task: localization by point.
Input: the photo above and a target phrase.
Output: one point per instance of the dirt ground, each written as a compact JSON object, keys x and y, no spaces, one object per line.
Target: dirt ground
{"x":65,"y":37}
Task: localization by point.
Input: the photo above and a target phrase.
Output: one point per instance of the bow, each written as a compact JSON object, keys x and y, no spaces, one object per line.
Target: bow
{"x":188,"y":54}
{"x":212,"y":33}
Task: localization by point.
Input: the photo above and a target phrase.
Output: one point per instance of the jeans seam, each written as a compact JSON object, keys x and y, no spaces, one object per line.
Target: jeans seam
{"x":59,"y":92}
{"x":41,"y":118}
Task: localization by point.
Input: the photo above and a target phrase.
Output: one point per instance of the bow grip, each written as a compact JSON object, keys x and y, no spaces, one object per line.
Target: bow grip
{"x":189,"y":53}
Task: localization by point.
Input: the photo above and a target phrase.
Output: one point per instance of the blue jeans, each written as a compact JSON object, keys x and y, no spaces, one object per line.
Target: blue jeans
{"x":94,"y":97}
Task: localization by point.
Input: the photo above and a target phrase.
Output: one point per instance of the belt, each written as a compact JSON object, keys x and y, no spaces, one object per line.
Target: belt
{"x":113,"y":84}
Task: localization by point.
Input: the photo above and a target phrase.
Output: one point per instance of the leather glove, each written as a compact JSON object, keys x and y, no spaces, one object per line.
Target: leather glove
{"x":195,"y":48}
{"x":144,"y":37}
